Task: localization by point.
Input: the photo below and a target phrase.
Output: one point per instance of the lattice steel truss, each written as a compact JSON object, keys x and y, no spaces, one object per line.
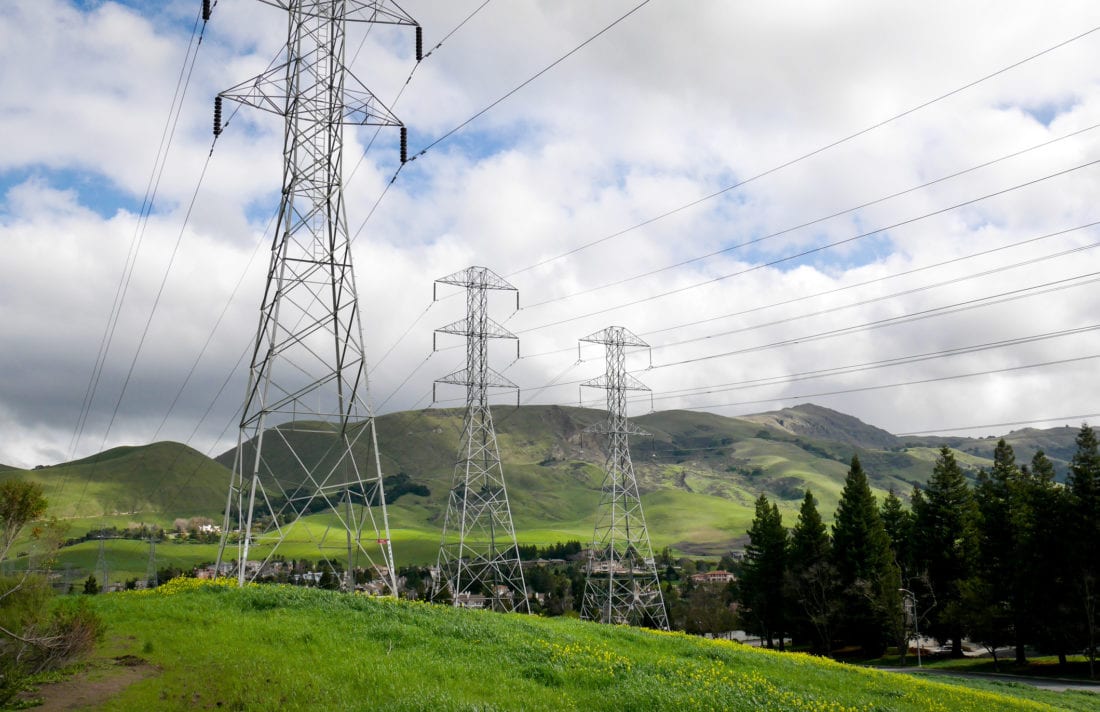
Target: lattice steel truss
{"x":621,"y":584}
{"x":478,"y":555}
{"x":307,"y":440}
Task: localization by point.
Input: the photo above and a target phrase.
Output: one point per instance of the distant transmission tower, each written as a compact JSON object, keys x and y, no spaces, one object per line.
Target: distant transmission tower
{"x":151,"y":566}
{"x":307,"y":442}
{"x":621,"y":584}
{"x":478,"y":555}
{"x":101,"y":566}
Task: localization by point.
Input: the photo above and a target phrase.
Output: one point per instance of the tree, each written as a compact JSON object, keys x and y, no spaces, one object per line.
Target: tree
{"x":20,"y":502}
{"x":1046,"y":559}
{"x":811,"y":579}
{"x":993,"y":600}
{"x":946,"y":539}
{"x":765,"y":568}
{"x":870,"y":603}
{"x":898,"y":523}
{"x":1084,"y":491}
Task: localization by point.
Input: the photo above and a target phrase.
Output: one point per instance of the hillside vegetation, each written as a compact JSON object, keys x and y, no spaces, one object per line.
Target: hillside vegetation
{"x":272,"y":647}
{"x":699,"y":474}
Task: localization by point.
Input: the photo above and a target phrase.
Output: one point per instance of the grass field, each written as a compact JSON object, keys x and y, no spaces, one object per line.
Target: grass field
{"x":206,"y":646}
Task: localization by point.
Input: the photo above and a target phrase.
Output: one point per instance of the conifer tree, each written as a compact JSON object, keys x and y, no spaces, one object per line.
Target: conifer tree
{"x":866,"y":573}
{"x":992,"y":595}
{"x":811,"y":578}
{"x":1084,"y":490}
{"x":1044,"y":559}
{"x":898,"y":523}
{"x":945,"y":519}
{"x":765,"y":565}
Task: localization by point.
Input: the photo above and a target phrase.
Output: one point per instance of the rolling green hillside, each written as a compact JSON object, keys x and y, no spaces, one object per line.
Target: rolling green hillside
{"x":190,"y":645}
{"x":699,"y":473}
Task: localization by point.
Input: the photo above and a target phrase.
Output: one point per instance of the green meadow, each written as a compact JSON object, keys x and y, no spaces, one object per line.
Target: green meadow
{"x":211,"y":646}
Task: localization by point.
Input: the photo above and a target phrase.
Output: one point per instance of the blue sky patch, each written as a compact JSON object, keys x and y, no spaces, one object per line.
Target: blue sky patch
{"x":94,"y":191}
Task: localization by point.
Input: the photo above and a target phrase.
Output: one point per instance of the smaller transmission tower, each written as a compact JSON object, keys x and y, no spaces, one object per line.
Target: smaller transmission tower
{"x":151,"y":566}
{"x":621,"y":584}
{"x":101,"y":566}
{"x":478,"y":555}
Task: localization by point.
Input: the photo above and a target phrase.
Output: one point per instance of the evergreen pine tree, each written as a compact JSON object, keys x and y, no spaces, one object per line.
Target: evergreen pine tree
{"x":812,"y":578}
{"x":866,"y":573}
{"x":765,"y":566}
{"x":945,"y":526}
{"x":898,"y":523}
{"x":1045,"y":559}
{"x":1084,"y":490}
{"x":992,"y":595}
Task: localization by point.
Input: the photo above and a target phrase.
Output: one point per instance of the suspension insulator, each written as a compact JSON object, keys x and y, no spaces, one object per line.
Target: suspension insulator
{"x":404,"y":145}
{"x":205,"y":10}
{"x":217,"y":116}
{"x":419,"y":43}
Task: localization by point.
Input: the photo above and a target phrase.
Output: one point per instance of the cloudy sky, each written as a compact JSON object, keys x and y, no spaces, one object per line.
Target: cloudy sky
{"x":885,"y":208}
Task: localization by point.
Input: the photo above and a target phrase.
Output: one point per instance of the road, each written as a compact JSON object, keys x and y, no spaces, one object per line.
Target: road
{"x":1047,"y":683}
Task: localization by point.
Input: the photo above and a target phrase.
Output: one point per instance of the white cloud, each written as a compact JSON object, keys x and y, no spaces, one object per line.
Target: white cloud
{"x":670,"y":105}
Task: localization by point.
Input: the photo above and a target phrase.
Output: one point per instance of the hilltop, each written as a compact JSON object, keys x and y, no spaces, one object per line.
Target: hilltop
{"x":699,"y":473}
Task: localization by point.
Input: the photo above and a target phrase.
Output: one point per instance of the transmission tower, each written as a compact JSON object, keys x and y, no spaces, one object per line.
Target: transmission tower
{"x":101,"y":566}
{"x":621,"y":584}
{"x":478,"y":555}
{"x":307,"y":442}
{"x":151,"y":567}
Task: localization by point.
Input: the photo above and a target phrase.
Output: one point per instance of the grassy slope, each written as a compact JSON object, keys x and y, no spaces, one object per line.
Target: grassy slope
{"x":699,"y":474}
{"x":280,"y":648}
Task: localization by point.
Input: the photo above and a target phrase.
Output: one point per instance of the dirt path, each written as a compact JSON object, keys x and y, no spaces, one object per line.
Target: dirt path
{"x":93,"y":687}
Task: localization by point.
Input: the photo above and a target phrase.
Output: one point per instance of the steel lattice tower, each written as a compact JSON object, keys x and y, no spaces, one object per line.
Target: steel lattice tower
{"x":478,"y":521}
{"x":307,"y":439}
{"x":621,"y":584}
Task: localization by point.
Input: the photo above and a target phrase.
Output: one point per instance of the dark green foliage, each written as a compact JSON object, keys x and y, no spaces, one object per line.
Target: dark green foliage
{"x":898,"y":523}
{"x":1084,"y":490}
{"x":811,"y":578}
{"x":20,"y":502}
{"x":866,"y":573}
{"x":763,"y":604}
{"x":945,"y":518}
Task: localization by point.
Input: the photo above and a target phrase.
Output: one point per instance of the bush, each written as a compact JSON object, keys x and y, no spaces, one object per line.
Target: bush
{"x":38,"y":637}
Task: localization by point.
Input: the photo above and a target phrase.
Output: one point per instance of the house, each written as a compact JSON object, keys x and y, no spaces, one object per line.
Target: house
{"x":708,"y":577}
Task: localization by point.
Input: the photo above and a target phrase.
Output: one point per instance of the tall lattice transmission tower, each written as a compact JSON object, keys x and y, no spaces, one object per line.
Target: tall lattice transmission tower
{"x":478,"y":555}
{"x":307,"y":443}
{"x":621,"y":584}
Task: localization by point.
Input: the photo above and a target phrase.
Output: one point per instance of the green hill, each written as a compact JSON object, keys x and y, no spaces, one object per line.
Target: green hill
{"x":195,"y":646}
{"x":153,"y":483}
{"x":699,"y":474}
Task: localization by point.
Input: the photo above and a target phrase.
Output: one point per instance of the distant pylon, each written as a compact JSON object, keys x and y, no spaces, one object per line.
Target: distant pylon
{"x":478,"y":555}
{"x":101,"y":566}
{"x":151,"y":566}
{"x":307,"y":442}
{"x":621,"y":584}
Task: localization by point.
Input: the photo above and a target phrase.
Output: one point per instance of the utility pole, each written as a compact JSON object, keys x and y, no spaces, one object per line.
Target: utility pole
{"x":478,"y":554}
{"x":307,"y":442}
{"x":621,"y":584}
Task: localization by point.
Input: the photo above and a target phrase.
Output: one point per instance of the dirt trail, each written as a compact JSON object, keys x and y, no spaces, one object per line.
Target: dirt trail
{"x":94,"y":687}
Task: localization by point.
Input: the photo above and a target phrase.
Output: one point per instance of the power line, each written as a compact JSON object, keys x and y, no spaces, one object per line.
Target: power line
{"x":804,"y":156}
{"x":810,"y":251}
{"x":530,"y":79}
{"x":809,"y":223}
{"x":1009,"y":424}
{"x":873,"y":365}
{"x":922,"y":381}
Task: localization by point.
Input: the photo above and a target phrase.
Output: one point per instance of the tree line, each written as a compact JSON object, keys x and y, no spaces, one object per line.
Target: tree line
{"x":1010,"y":561}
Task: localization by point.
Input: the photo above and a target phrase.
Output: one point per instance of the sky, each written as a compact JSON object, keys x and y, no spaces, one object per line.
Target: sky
{"x":884,"y":208}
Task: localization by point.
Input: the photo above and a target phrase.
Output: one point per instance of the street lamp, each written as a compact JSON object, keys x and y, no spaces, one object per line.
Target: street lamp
{"x":916,"y":619}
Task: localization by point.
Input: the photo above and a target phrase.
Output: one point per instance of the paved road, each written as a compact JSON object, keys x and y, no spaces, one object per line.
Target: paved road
{"x":1047,"y":683}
